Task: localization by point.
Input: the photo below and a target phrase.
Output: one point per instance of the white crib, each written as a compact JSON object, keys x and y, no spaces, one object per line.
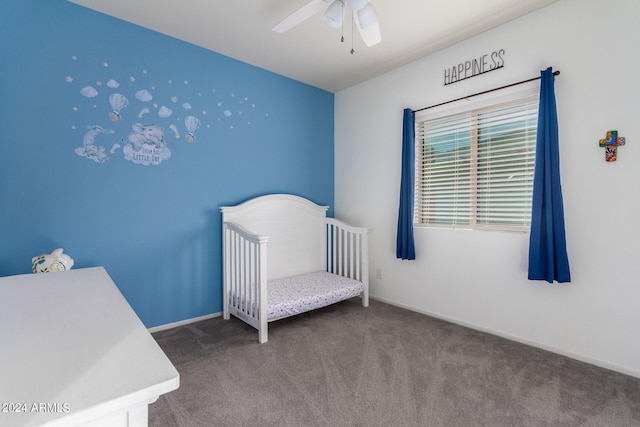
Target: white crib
{"x":282,"y":256}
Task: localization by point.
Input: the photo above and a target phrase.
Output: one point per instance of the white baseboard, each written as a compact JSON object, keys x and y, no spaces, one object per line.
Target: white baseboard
{"x":580,"y":357}
{"x":183,"y":322}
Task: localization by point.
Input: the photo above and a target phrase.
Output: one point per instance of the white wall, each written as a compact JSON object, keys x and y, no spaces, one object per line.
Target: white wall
{"x":479,"y":278}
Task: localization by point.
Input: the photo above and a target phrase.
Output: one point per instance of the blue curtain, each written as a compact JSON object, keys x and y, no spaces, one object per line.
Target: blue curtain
{"x":404,"y":239}
{"x":547,"y":243}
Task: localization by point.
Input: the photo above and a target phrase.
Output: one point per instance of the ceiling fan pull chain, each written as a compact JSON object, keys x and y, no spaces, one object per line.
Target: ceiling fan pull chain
{"x":342,"y":26}
{"x":353,"y":24}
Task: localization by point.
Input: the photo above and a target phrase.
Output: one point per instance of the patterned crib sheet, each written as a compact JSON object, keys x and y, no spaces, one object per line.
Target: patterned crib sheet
{"x":298,"y":294}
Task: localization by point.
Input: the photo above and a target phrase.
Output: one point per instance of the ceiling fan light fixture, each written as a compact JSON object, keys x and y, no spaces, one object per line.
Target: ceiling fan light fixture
{"x":365,"y":19}
{"x":367,"y":16}
{"x":333,"y":15}
{"x":357,"y":4}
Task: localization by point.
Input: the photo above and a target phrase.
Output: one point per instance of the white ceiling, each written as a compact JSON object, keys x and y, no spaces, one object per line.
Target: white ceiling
{"x":312,"y":52}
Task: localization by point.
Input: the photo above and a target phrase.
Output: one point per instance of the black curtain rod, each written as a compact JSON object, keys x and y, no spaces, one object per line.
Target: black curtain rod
{"x":555,"y":73}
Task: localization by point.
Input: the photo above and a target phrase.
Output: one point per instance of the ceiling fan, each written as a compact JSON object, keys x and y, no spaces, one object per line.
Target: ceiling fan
{"x":364,"y":16}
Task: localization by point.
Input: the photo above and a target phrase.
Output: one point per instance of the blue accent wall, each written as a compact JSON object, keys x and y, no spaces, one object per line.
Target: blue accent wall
{"x":134,"y":195}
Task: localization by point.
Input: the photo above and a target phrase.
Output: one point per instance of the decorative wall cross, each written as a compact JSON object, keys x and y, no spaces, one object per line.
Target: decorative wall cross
{"x":611,"y":144}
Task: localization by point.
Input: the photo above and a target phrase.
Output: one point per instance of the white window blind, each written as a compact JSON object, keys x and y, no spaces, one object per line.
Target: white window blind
{"x":475,"y":168}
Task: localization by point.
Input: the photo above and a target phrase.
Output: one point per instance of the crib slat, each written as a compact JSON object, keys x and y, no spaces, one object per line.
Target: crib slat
{"x":341,"y":248}
{"x":251,"y":297}
{"x":338,"y":252}
{"x":352,"y":256}
{"x":245,"y":276}
{"x":236,"y":269}
{"x":334,"y":251}
{"x":358,"y":258}
{"x":232,"y":269}
{"x":345,"y":253}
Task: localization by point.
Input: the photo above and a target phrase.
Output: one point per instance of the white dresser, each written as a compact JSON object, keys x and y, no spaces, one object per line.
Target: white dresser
{"x":73,"y":352}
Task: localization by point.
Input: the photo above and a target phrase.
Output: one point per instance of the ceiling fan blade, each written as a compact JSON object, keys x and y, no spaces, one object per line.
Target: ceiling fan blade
{"x":371,"y":34}
{"x":300,"y":15}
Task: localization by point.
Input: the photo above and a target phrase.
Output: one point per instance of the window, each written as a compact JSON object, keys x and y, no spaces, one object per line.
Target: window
{"x":474,"y":168}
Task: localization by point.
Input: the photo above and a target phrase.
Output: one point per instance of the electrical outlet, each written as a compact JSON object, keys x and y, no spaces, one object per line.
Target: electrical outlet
{"x":379,"y":273}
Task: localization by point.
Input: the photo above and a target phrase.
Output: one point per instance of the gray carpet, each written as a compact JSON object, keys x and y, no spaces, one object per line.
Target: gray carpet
{"x":346,"y":365}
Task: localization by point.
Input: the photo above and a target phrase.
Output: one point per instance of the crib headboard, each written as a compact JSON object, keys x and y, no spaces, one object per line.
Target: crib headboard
{"x":294,"y":226}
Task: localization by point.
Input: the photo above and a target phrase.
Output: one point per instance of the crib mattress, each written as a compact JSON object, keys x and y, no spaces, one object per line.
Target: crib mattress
{"x":298,"y":294}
